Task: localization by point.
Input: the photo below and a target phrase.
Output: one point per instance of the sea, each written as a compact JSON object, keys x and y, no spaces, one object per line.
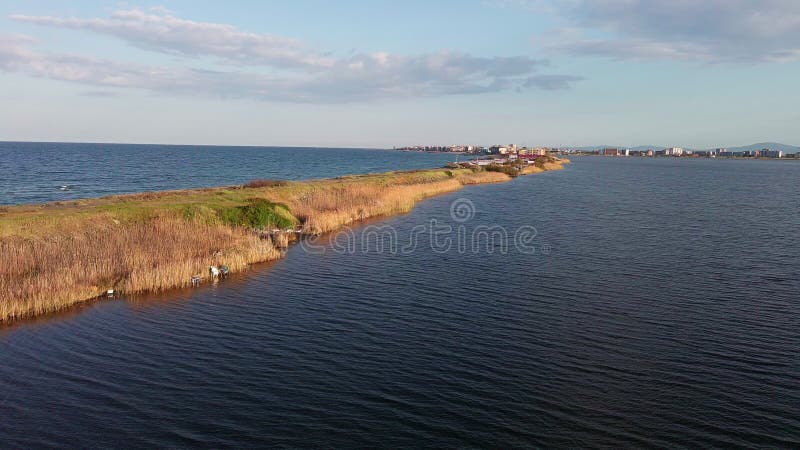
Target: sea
{"x":32,"y":172}
{"x":620,"y":302}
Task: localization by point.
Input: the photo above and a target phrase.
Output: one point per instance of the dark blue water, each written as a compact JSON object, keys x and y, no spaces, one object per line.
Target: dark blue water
{"x":658,"y":308}
{"x":33,"y":172}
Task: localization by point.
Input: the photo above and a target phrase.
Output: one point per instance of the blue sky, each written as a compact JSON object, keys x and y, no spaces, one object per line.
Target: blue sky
{"x":383,"y":73}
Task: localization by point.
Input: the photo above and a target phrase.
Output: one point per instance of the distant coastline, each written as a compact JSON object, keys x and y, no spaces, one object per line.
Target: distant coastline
{"x":737,"y":158}
{"x":763,"y":150}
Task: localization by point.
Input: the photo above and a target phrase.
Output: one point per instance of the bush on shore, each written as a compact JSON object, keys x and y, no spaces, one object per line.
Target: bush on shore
{"x":259,"y":214}
{"x":506,"y":169}
{"x":263,"y":183}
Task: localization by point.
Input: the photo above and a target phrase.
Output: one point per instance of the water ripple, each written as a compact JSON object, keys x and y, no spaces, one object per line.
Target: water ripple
{"x":653,"y":323}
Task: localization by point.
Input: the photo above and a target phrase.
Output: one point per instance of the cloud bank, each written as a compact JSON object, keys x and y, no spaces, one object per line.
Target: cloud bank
{"x":266,"y":67}
{"x":710,"y":31}
{"x":161,"y":32}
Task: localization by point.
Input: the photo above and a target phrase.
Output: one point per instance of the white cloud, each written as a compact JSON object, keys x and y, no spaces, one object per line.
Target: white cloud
{"x":162,"y":32}
{"x":285,"y":69}
{"x":714,"y":31}
{"x":358,"y":78}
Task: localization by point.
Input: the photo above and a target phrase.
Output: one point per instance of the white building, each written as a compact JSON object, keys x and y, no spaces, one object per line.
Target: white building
{"x":774,"y":154}
{"x":673,"y":151}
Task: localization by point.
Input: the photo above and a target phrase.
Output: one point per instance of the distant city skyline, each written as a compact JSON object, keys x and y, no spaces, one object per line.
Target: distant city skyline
{"x":702,"y":74}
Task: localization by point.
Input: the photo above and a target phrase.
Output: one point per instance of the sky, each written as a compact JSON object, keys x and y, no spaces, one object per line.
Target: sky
{"x":691,"y":73}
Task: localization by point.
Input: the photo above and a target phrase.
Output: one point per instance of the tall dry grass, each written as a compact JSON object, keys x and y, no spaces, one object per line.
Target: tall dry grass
{"x":52,"y":272}
{"x":140,"y":243}
{"x":531,"y":169}
{"x":324,"y":210}
{"x":484,"y":177}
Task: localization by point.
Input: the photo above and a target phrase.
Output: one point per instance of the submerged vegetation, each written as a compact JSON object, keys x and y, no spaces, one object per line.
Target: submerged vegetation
{"x":62,"y":253}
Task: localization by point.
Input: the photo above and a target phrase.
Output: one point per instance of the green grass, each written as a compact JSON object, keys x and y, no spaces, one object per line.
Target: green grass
{"x":259,"y":214}
{"x":227,"y":204}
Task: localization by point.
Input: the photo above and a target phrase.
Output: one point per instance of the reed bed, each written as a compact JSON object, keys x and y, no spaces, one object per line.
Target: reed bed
{"x":484,"y":177}
{"x":531,"y":169}
{"x":555,"y":165}
{"x":324,"y":210}
{"x":49,"y":273}
{"x":60,"y":254}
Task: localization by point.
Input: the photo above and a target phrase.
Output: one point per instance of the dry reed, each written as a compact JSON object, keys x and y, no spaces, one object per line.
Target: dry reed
{"x":48,"y":273}
{"x":484,"y":177}
{"x":57,"y":255}
{"x":325,"y":210}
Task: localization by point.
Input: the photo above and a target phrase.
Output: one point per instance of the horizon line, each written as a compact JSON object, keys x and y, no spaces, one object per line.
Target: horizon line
{"x":360,"y":147}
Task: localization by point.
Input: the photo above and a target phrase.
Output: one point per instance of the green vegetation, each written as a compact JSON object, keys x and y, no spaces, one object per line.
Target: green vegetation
{"x":507,"y":169}
{"x":259,"y":214}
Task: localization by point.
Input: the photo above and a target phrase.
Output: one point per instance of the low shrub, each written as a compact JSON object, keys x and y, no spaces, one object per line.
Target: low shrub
{"x":264,"y":183}
{"x":259,"y":214}
{"x":508,"y":170}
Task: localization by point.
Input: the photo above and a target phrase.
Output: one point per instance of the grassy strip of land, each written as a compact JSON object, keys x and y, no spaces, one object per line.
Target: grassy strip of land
{"x":62,"y":253}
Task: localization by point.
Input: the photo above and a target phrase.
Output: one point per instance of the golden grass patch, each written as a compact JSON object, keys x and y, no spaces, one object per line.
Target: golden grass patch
{"x":60,"y":254}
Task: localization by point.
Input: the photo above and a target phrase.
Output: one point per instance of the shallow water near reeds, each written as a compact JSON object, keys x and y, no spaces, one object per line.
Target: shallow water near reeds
{"x":659,"y":308}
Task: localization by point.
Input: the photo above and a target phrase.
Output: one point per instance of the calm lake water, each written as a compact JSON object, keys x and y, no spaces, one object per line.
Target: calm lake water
{"x":656,"y":306}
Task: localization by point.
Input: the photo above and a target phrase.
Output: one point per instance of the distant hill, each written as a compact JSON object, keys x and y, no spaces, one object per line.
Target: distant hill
{"x":770,"y":145}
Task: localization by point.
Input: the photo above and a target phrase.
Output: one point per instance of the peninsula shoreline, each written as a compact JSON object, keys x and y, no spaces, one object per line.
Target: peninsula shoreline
{"x":61,"y":254}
